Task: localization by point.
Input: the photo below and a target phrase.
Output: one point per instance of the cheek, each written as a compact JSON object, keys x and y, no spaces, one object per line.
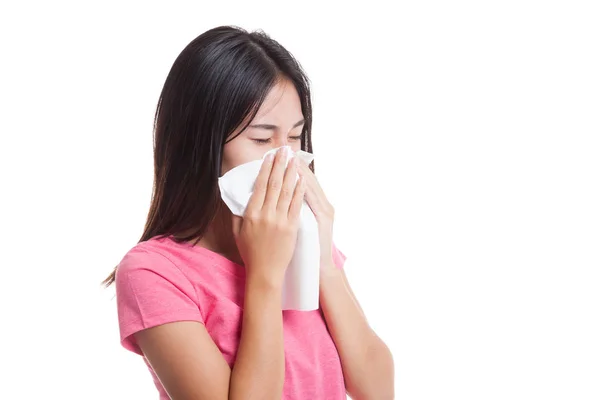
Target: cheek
{"x":229,"y":157}
{"x":239,"y":153}
{"x":296,"y":145}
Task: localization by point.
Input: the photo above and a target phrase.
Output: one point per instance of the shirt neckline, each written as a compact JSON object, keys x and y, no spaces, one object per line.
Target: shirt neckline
{"x":218,"y":259}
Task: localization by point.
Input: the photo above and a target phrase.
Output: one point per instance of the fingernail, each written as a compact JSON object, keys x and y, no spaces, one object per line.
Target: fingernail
{"x":270,"y":157}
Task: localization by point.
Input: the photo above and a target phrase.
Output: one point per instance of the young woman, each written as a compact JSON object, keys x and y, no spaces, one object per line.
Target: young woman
{"x":199,"y":297}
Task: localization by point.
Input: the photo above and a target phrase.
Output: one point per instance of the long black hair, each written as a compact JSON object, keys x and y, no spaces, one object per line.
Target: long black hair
{"x":216,"y":84}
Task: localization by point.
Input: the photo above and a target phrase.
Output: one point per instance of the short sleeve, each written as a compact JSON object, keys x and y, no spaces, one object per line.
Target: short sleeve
{"x":339,"y":258}
{"x":151,"y":291}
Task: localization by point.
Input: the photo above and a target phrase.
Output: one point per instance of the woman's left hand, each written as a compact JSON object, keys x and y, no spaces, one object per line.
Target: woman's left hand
{"x":324,"y":212}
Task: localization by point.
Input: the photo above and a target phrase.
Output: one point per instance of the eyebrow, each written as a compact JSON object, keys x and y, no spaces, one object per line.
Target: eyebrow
{"x":274,"y":127}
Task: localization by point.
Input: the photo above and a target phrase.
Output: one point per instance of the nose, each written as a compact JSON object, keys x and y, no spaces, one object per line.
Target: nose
{"x":280,"y":141}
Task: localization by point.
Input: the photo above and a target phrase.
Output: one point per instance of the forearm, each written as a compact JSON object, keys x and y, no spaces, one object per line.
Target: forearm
{"x":258,"y":372}
{"x":366,"y":361}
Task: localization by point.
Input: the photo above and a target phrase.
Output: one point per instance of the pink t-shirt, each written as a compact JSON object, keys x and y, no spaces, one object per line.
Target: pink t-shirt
{"x":161,"y":281}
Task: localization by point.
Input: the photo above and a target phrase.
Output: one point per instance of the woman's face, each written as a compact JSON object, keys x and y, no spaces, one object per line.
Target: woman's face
{"x":279,"y":122}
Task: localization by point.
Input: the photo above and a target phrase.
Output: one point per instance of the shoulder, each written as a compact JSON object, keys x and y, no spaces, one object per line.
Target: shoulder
{"x":151,"y":255}
{"x":152,"y":290}
{"x":150,"y":265}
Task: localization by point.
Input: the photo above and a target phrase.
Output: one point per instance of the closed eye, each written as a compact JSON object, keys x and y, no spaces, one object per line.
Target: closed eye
{"x":267,"y":141}
{"x":262,"y":141}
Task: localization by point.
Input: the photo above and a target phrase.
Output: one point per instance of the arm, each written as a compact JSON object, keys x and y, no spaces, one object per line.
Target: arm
{"x":191,"y":367}
{"x":258,"y":372}
{"x":366,"y":361}
{"x":186,"y":360}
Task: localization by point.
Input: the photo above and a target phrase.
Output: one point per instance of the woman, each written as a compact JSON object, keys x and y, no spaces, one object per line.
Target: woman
{"x":230,"y":97}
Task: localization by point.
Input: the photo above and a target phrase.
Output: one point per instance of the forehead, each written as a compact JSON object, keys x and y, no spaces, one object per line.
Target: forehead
{"x":282,"y":103}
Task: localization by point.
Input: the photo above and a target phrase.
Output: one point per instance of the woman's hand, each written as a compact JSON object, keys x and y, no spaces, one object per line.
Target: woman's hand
{"x":266,"y":235}
{"x":324,"y":212}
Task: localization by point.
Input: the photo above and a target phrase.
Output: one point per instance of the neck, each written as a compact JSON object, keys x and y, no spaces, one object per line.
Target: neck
{"x":219,"y":235}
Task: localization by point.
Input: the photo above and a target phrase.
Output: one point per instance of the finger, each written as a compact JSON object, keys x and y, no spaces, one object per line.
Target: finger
{"x":297,"y":200}
{"x":261,"y":185}
{"x":312,"y":199}
{"x":275,"y":180}
{"x":311,"y":179}
{"x":287,"y":188}
{"x":314,"y":196}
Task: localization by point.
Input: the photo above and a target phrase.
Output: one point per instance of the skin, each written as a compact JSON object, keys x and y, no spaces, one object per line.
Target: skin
{"x":186,"y":360}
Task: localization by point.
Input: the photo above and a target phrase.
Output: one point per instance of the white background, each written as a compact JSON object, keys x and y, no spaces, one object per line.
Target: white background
{"x":458,"y":141}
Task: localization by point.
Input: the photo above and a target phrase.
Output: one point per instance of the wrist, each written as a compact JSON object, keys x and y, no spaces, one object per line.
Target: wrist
{"x":329,"y":271}
{"x":264,"y":282}
{"x":327,"y":264}
{"x":262,"y":296}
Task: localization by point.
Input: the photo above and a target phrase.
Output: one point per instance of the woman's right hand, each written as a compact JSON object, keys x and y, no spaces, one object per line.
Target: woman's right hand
{"x":266,"y":235}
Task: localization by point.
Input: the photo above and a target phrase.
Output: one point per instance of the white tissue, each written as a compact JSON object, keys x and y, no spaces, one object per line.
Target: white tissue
{"x":301,"y":282}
